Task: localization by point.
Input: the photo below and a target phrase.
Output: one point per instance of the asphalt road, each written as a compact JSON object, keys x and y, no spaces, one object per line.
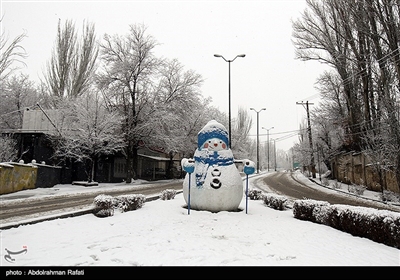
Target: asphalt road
{"x":284,"y":183}
{"x":61,"y":204}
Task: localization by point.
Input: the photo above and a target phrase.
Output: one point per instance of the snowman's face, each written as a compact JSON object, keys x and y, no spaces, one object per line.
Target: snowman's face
{"x":215,"y":144}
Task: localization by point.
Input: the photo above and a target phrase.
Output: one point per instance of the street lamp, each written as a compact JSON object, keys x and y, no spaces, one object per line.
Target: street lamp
{"x":258,"y":155}
{"x":267,"y":129}
{"x":229,"y":91}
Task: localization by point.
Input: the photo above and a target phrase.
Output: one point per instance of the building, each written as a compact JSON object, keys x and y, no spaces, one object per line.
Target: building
{"x":34,"y":144}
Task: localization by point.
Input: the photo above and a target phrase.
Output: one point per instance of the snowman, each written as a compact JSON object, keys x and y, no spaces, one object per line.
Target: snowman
{"x":215,"y":183}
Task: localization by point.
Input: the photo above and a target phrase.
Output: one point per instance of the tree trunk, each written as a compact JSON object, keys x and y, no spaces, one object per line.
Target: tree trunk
{"x":128,"y":178}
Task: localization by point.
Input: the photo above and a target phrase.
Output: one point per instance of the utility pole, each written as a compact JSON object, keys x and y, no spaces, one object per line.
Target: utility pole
{"x":309,"y":135}
{"x":267,"y":129}
{"x":258,"y":154}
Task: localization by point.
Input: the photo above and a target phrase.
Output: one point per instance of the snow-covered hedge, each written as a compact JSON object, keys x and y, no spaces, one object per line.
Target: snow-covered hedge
{"x":275,"y":201}
{"x":255,"y":194}
{"x":381,"y":226}
{"x":129,"y":202}
{"x":168,"y":194}
{"x":104,"y":205}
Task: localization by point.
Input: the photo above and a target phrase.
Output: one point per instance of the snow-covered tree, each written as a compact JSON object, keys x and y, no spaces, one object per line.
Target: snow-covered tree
{"x":17,"y":93}
{"x":90,"y":130}
{"x":126,"y":80}
{"x":155,"y":96}
{"x":240,"y":135}
{"x":8,"y":148}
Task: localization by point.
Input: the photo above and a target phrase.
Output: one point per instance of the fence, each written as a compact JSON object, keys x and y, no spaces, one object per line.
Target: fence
{"x":358,"y":169}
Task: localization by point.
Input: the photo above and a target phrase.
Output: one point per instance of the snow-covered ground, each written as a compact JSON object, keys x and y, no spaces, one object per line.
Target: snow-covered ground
{"x":162,"y":233}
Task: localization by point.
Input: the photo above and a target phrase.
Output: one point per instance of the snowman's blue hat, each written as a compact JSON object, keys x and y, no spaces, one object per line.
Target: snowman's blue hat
{"x":212,"y":129}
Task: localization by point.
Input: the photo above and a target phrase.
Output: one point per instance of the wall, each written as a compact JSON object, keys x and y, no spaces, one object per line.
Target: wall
{"x":17,"y":177}
{"x":48,"y":176}
{"x":358,"y":169}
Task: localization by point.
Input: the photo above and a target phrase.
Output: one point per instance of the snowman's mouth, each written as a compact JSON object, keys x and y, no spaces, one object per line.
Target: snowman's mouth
{"x":215,"y":183}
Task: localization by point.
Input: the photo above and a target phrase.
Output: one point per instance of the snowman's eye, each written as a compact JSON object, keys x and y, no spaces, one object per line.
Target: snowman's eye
{"x":209,"y":141}
{"x":220,"y":142}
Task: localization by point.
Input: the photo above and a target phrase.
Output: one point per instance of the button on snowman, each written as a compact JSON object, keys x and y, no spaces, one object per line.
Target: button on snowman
{"x":216,"y":184}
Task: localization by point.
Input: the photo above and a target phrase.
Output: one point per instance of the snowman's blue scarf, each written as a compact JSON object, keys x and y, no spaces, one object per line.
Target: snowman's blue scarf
{"x":205,"y":158}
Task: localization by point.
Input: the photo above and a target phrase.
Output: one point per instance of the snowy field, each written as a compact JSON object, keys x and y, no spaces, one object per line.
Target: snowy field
{"x":162,"y":233}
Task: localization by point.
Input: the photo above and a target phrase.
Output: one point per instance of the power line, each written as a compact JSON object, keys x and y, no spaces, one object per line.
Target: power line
{"x":20,"y":110}
{"x":284,"y":132}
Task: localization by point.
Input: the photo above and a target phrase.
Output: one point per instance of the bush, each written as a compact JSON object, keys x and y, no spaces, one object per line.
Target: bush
{"x":356,"y":189}
{"x":378,"y":225}
{"x":275,"y":201}
{"x":129,"y":202}
{"x":337,"y":185}
{"x":168,"y":194}
{"x":255,"y":194}
{"x":103,"y":206}
{"x":304,"y":209}
{"x":390,"y":196}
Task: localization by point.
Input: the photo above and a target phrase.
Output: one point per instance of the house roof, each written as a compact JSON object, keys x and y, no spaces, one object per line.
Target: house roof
{"x":156,"y":158}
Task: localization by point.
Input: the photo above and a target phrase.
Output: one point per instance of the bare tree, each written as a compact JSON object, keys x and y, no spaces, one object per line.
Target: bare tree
{"x":360,"y":40}
{"x":10,"y":53}
{"x":320,"y":35}
{"x":72,"y":64}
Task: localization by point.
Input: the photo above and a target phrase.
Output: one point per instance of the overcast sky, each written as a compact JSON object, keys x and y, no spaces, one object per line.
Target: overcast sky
{"x":193,"y":31}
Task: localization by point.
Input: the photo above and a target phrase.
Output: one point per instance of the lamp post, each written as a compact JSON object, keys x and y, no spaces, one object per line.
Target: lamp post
{"x":229,"y":90}
{"x":267,"y":129}
{"x":258,"y":155}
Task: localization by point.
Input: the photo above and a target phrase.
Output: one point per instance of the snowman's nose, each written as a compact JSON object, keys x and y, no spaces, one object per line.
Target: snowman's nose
{"x":215,"y":144}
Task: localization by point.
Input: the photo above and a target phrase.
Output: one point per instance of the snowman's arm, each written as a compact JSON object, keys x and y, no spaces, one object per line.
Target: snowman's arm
{"x":243,"y":161}
{"x":249,"y":166}
{"x":188,"y":164}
